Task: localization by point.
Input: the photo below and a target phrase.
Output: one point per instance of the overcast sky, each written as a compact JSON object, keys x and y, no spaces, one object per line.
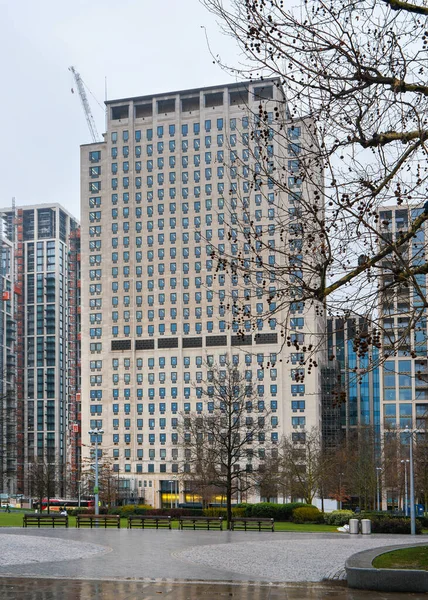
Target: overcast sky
{"x":141,"y":46}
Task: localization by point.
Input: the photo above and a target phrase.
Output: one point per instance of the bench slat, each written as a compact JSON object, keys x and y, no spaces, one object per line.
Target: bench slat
{"x":201,"y":523}
{"x":97,"y":519}
{"x":158,"y":521}
{"x":253,"y":524}
{"x":34,"y":519}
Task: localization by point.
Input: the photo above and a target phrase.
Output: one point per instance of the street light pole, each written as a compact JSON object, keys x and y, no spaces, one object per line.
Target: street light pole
{"x":340,"y":490}
{"x":96,"y":432}
{"x":412,"y":484}
{"x":406,"y":504}
{"x":378,"y":470}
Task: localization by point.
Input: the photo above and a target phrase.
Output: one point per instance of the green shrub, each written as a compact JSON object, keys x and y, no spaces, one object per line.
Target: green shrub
{"x":338,"y":517}
{"x":128,"y":509}
{"x":372,"y":514}
{"x":388,"y":524}
{"x":237,"y":511}
{"x":279,"y":512}
{"x":307,"y":514}
{"x":79,"y":511}
{"x":424,"y":521}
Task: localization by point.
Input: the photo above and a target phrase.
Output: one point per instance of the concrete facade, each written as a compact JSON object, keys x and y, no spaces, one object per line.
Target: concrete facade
{"x":173,"y":181}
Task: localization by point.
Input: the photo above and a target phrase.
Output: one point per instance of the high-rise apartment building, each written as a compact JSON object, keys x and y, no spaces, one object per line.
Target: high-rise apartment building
{"x":9,"y":380}
{"x":45,"y":385}
{"x":404,"y":375}
{"x":175,"y":182}
{"x":403,"y":322}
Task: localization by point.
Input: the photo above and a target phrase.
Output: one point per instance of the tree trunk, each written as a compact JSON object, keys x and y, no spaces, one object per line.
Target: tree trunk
{"x":229,"y":501}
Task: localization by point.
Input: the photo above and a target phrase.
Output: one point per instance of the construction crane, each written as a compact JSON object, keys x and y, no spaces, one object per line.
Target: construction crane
{"x":86,"y":108}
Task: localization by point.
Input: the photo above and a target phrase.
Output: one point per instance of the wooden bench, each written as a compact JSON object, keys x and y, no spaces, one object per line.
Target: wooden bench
{"x":44,"y":519}
{"x":149,"y":521}
{"x":253,"y":524}
{"x":201,"y":523}
{"x":92,"y":519}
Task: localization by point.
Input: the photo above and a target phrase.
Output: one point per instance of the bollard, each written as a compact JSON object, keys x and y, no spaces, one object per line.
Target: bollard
{"x":366,"y":526}
{"x":354,"y":526}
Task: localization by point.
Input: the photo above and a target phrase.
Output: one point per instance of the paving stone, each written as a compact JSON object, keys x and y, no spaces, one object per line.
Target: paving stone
{"x":181,"y":555}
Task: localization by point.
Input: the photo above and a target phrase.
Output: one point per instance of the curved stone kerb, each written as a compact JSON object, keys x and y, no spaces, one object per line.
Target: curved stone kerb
{"x":361,"y":574}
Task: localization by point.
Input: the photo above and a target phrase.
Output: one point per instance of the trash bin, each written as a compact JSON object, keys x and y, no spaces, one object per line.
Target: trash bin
{"x":366,"y":526}
{"x":354,"y":526}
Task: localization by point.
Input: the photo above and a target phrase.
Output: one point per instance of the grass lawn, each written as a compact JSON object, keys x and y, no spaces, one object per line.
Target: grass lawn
{"x":407,"y":558}
{"x":308,"y":527}
{"x":14,"y":519}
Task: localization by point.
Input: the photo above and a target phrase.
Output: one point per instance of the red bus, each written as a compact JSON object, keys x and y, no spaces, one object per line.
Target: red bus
{"x":57,"y":504}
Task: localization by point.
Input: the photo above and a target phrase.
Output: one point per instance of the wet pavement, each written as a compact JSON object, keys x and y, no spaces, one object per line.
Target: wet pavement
{"x":181,"y":555}
{"x":100,"y":564}
{"x":64,"y":589}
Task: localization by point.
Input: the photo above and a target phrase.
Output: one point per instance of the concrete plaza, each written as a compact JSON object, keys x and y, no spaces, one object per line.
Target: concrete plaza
{"x":83,"y":564}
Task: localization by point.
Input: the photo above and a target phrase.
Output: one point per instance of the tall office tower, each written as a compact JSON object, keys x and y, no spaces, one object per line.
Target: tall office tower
{"x":404,"y":373}
{"x":355,"y":400}
{"x":174,"y":186}
{"x":42,"y":245}
{"x":9,"y":379}
{"x":404,"y":381}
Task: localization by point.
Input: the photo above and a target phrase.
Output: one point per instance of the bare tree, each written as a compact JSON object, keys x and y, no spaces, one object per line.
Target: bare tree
{"x":363,"y":456}
{"x":108,"y":480}
{"x":42,"y":477}
{"x":225,"y":444}
{"x":421,"y":467}
{"x":269,"y":478}
{"x":354,"y":75}
{"x":304,"y":464}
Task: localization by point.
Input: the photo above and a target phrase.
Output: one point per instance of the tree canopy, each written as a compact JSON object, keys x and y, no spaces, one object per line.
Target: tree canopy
{"x":354,"y":79}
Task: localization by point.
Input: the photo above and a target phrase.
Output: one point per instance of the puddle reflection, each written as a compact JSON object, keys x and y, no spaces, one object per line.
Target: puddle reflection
{"x":65,"y":589}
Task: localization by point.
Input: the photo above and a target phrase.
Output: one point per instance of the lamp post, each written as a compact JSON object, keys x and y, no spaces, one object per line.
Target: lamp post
{"x":412,"y":483}
{"x":378,"y":470}
{"x":406,"y":504}
{"x":96,"y":432}
{"x":340,"y":490}
{"x":78,"y":493}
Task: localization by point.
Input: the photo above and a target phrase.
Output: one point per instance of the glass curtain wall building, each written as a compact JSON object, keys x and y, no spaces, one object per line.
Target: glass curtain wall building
{"x":404,"y":373}
{"x":358,"y":395}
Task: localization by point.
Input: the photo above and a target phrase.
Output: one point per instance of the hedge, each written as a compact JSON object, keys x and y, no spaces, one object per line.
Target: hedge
{"x":279,"y":512}
{"x":339,"y":517}
{"x":237,"y":511}
{"x":131,"y":509}
{"x":394,"y":525}
{"x":307,"y":514}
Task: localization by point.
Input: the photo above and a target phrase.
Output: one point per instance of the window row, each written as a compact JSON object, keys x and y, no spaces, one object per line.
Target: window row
{"x":161,"y":392}
{"x":174,"y":407}
{"x":199,"y":361}
{"x":233,"y":202}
